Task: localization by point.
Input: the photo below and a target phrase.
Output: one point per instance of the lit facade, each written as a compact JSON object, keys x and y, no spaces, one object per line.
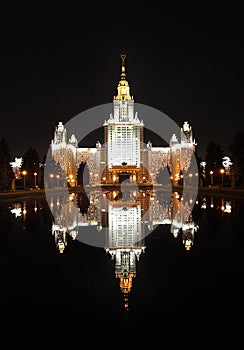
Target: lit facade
{"x":124,"y":156}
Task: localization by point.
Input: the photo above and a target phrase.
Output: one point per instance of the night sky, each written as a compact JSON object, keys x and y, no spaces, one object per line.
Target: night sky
{"x":57,"y":61}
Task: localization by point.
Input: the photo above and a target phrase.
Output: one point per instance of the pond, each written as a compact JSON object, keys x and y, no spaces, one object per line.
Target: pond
{"x":138,"y":259}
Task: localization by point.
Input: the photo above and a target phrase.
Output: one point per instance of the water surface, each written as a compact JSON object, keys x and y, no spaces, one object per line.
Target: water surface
{"x":187,"y":275}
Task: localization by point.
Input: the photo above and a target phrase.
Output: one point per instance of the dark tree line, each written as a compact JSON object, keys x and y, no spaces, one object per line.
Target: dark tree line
{"x":6,"y":172}
{"x":237,"y":154}
{"x":214,"y":162}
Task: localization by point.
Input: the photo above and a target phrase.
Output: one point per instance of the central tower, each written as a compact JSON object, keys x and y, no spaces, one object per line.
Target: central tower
{"x":123,"y":134}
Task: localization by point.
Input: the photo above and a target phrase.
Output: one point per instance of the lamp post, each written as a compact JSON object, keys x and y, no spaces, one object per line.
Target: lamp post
{"x":222,"y":176}
{"x":57,"y":177}
{"x":51,"y":182}
{"x":35,"y":173}
{"x":24,"y":173}
{"x":211,"y":177}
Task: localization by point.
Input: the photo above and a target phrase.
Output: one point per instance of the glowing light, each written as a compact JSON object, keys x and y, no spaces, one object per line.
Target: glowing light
{"x":227,"y":207}
{"x":17,"y":163}
{"x":71,"y":197}
{"x":17,"y":211}
{"x":211,"y":203}
{"x":226,"y":162}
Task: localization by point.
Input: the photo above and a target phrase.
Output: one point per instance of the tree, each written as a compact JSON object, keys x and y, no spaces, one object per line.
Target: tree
{"x":83,"y":174}
{"x":163,"y":176}
{"x":6,"y":172}
{"x":237,"y":155}
{"x":31,"y":164}
{"x":41,"y":171}
{"x":214,"y":157}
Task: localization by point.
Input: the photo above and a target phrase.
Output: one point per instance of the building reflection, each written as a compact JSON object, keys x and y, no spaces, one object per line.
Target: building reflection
{"x":182,"y":221}
{"x":125,"y":238}
{"x":126,"y":218}
{"x":124,"y":215}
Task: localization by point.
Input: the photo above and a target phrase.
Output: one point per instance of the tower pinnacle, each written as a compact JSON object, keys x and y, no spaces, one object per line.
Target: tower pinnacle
{"x":123,"y":86}
{"x":123,"y":57}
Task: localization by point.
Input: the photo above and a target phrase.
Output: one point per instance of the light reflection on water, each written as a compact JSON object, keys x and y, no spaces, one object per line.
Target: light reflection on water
{"x":197,"y":248}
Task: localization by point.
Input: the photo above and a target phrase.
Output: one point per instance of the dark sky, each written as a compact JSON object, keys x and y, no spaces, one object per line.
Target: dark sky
{"x":58,"y":60}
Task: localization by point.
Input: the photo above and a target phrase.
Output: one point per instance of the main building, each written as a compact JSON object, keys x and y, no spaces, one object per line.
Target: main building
{"x":124,"y":155}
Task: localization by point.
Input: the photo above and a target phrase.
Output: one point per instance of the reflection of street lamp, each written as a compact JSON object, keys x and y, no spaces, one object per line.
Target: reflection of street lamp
{"x":211,"y":176}
{"x":35,"y":173}
{"x":24,"y":173}
{"x":71,"y":180}
{"x":222,"y":176}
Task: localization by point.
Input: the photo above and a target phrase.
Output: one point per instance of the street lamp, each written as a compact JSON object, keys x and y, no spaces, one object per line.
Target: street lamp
{"x":222,"y":176}
{"x":57,"y":177}
{"x":24,"y":173}
{"x":51,"y":177}
{"x":35,"y":173}
{"x":211,"y":176}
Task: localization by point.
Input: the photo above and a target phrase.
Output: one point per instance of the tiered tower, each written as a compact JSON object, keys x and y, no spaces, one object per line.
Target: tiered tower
{"x":124,"y":155}
{"x":123,"y":134}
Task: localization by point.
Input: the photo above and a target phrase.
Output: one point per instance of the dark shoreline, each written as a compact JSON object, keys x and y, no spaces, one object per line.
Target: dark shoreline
{"x":237,"y":193}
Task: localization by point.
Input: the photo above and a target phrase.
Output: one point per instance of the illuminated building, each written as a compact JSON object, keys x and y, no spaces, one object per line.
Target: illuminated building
{"x":124,"y":155}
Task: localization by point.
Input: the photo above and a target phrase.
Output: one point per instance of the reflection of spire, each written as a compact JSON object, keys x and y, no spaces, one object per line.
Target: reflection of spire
{"x":182,"y":221}
{"x":125,"y":269}
{"x":188,"y":229}
{"x":60,"y":237}
{"x":126,"y":280}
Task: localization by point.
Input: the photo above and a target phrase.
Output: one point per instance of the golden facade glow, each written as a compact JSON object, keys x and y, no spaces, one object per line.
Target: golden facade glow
{"x":126,"y":282}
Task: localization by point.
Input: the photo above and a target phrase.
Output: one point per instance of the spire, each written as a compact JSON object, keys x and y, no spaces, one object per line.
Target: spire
{"x":123,"y":75}
{"x":123,"y":86}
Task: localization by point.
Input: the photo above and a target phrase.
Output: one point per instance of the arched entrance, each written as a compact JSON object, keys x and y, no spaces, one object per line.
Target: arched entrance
{"x":123,"y":176}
